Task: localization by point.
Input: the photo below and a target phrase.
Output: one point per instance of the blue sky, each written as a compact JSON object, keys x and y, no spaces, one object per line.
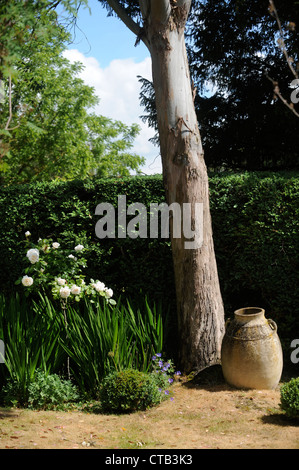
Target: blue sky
{"x":106,"y":38}
{"x":106,"y":47}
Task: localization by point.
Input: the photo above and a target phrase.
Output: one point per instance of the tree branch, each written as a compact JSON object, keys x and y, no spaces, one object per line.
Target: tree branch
{"x":277,"y":93}
{"x":282,"y":45}
{"x":126,"y":19}
{"x":289,"y":60}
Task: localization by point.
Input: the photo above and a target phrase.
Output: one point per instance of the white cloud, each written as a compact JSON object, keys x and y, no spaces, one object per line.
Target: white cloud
{"x":118,"y":88}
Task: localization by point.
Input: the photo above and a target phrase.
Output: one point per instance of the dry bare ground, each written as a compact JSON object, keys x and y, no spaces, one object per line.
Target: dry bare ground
{"x":202,"y":416}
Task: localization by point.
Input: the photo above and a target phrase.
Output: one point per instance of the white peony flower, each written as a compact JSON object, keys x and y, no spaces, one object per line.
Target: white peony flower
{"x":55,"y":245}
{"x":75,"y":290}
{"x":27,"y":234}
{"x":33,"y":255}
{"x":99,"y":286}
{"x":27,"y":281}
{"x":79,"y":248}
{"x":108,"y":293}
{"x":65,"y":292}
{"x":61,"y":281}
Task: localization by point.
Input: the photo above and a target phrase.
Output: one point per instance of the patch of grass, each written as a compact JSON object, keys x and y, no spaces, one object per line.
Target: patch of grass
{"x":197,"y":418}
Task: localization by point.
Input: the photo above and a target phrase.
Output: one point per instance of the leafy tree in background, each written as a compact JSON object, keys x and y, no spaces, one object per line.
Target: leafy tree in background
{"x":234,"y":47}
{"x":48,"y":130}
{"x":30,"y":22}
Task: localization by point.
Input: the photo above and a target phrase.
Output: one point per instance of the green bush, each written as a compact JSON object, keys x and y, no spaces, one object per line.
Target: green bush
{"x":50,"y":391}
{"x":128,"y":391}
{"x":45,"y":391}
{"x":289,"y":397}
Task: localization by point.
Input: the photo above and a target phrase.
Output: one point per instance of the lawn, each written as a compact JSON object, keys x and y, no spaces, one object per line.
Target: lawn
{"x":203,"y":415}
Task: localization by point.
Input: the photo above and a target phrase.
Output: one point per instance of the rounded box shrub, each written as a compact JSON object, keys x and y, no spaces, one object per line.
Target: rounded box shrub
{"x":289,"y":397}
{"x":127,"y":391}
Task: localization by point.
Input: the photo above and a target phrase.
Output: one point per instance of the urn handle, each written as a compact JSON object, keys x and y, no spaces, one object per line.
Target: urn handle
{"x":272,"y":324}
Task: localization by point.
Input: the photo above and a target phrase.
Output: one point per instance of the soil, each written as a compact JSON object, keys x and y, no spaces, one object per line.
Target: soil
{"x":202,"y":415}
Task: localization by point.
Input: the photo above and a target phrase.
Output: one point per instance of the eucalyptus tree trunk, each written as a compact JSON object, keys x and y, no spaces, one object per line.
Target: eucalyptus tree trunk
{"x":199,"y":302}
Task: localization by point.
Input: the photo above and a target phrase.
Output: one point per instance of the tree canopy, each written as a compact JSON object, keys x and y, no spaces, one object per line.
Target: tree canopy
{"x":47,"y":128}
{"x":235,"y":56}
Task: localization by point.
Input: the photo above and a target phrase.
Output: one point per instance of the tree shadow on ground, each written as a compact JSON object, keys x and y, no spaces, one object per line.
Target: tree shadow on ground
{"x":7,"y":413}
{"x":280,"y":419}
{"x":210,"y":379}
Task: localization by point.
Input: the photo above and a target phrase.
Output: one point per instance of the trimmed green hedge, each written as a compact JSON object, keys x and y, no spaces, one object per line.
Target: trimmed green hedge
{"x":255,"y":223}
{"x":255,"y":220}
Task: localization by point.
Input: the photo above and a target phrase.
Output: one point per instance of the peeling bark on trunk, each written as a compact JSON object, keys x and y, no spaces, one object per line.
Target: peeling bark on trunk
{"x":199,"y":301}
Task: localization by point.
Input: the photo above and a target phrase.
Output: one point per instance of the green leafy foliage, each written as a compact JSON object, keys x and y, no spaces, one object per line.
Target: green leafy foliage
{"x":255,"y":230}
{"x":47,"y":127}
{"x":30,"y":333}
{"x":101,"y":338}
{"x":86,"y":340}
{"x":60,"y":272}
{"x":163,"y":374}
{"x":128,"y":391}
{"x":255,"y":225}
{"x":289,"y":397}
{"x":45,"y":392}
{"x":50,"y":391}
{"x":233,"y":47}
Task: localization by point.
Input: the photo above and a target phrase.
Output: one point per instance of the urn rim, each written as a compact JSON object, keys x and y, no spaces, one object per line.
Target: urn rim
{"x":249,"y":311}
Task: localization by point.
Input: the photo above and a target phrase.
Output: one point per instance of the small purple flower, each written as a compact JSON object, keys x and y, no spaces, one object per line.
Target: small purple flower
{"x":166,"y":392}
{"x":178,"y":373}
{"x":171,"y":398}
{"x":154,"y":358}
{"x":160,"y":389}
{"x":170,"y":381}
{"x":160,"y":363}
{"x":159,"y":354}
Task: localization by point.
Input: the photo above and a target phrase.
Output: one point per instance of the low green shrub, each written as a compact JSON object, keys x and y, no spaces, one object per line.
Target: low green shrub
{"x":50,"y":391}
{"x":13,"y":393}
{"x":45,"y":391}
{"x":128,"y":391}
{"x":289,"y":397}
